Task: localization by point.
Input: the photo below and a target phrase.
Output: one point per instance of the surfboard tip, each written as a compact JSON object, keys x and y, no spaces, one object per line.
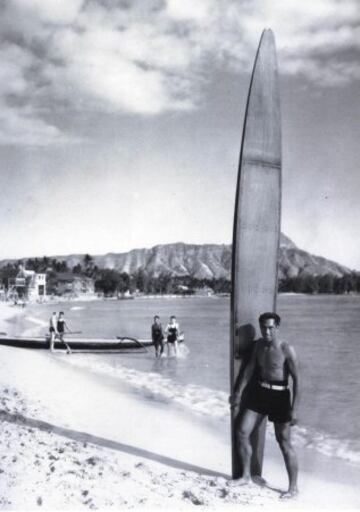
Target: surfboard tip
{"x":268,"y":34}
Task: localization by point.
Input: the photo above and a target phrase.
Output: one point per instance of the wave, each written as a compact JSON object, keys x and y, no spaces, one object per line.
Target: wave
{"x":77,"y":308}
{"x":210,"y":403}
{"x":36,"y":321}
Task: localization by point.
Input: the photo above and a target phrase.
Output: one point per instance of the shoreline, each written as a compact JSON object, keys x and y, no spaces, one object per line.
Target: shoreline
{"x":76,"y":439}
{"x":80,"y":442}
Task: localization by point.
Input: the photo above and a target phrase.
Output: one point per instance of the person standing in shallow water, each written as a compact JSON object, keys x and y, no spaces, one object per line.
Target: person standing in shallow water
{"x":157,"y":336}
{"x":61,"y":326}
{"x":172,"y":335}
{"x":53,"y":330}
{"x":272,"y":362}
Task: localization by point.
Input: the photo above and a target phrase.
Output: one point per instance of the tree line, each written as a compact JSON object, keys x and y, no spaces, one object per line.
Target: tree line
{"x":111,"y":281}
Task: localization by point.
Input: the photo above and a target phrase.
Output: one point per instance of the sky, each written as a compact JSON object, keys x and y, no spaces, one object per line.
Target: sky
{"x":121,"y":122}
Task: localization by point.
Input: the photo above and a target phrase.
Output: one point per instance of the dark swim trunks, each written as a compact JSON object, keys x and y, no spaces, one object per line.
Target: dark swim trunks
{"x":270,"y":402}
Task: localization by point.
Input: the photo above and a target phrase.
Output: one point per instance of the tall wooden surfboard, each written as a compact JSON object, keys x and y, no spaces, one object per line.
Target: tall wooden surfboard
{"x":256,"y":233}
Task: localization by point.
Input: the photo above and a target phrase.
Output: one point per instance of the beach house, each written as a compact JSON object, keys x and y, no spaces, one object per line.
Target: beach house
{"x":27,"y":285}
{"x":71,"y":285}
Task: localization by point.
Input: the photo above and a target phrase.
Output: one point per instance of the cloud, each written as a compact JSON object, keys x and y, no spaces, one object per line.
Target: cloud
{"x":319,"y":40}
{"x":146,"y":57}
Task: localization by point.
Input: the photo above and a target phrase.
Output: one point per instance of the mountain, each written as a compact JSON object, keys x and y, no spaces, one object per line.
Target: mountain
{"x":205,"y":261}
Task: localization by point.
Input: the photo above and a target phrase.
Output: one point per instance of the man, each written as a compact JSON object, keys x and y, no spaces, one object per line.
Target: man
{"x":172,"y":335}
{"x":157,"y":336}
{"x":61,"y":326}
{"x":53,"y":330}
{"x":273,"y":361}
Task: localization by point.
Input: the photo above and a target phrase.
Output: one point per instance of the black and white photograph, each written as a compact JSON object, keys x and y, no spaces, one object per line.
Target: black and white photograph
{"x":179,"y":261}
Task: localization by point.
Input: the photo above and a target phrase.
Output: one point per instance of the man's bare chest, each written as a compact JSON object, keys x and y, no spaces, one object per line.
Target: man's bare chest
{"x":270,"y":358}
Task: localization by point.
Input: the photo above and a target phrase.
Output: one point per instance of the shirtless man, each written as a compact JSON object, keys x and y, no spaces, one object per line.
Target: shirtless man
{"x":53,"y":330}
{"x":274,"y":360}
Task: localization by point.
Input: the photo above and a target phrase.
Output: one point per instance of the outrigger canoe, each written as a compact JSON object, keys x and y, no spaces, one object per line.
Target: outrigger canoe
{"x":120,"y":343}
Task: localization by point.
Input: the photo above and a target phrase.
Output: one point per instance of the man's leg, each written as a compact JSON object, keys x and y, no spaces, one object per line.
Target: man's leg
{"x":283,"y":437}
{"x":248,"y":422}
{"x":52,"y":341}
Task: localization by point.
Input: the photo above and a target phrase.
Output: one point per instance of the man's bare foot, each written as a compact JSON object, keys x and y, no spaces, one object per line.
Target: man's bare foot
{"x":259,"y":480}
{"x":240,"y":481}
{"x":290,"y":494}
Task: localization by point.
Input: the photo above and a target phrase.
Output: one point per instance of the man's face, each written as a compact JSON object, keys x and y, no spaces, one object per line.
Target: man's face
{"x":157,"y":320}
{"x":268,"y":329}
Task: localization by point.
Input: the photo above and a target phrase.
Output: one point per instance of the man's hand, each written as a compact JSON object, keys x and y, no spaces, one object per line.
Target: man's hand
{"x":234,"y":400}
{"x":294,"y":418}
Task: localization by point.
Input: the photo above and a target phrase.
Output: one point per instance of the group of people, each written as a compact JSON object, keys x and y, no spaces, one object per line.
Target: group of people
{"x":262,"y":390}
{"x":170,"y":336}
{"x":57,"y":328}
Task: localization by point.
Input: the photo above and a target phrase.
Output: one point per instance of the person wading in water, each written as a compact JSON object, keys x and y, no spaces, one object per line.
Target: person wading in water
{"x":172,"y":335}
{"x":61,"y":326}
{"x":157,"y":336}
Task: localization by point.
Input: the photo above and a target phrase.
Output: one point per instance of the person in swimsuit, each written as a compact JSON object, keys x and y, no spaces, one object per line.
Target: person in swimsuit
{"x":61,"y":326}
{"x":272,"y":362}
{"x":53,"y":330}
{"x":157,"y":336}
{"x":172,"y":333}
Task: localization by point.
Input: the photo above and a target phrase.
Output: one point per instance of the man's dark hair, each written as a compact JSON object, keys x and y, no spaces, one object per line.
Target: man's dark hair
{"x":156,"y":317}
{"x":61,"y":313}
{"x":269,"y":316}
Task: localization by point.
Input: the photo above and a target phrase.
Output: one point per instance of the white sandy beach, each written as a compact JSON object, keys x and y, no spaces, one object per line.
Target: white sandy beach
{"x":73,"y":438}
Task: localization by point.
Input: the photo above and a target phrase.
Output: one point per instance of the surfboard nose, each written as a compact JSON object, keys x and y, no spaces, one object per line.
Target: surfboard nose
{"x":262,"y":130}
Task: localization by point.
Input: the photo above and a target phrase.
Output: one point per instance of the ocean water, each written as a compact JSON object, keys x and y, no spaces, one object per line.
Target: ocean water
{"x":324,"y":330}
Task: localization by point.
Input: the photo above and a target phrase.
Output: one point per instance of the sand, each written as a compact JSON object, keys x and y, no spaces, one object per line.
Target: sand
{"x":73,"y":438}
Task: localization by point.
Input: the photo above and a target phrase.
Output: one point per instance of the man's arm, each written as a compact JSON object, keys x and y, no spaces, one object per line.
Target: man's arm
{"x":292,"y":364}
{"x":244,"y":378}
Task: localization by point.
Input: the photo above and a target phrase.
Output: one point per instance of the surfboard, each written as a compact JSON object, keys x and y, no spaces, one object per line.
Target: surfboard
{"x":256,"y":233}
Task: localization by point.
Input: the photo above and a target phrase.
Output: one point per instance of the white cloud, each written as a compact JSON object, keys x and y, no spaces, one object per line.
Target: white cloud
{"x":188,"y":10}
{"x":148,"y":57}
{"x":21,"y":126}
{"x":50,"y":11}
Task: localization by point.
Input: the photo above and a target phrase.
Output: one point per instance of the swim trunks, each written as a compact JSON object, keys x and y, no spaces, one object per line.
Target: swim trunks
{"x":270,"y":402}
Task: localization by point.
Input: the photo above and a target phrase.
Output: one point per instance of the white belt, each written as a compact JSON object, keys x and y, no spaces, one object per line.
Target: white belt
{"x":276,"y":387}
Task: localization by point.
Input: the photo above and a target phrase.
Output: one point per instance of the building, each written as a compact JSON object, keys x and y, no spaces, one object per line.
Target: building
{"x":72,"y":285}
{"x":27,"y":285}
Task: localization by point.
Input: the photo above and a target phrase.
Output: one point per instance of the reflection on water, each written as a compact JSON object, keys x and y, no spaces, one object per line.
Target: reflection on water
{"x":166,"y":366}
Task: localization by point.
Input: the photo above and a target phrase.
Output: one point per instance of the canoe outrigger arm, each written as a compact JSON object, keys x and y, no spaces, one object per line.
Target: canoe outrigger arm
{"x":122,"y":338}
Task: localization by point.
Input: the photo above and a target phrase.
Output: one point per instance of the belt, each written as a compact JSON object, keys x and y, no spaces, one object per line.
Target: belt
{"x":275,"y":387}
